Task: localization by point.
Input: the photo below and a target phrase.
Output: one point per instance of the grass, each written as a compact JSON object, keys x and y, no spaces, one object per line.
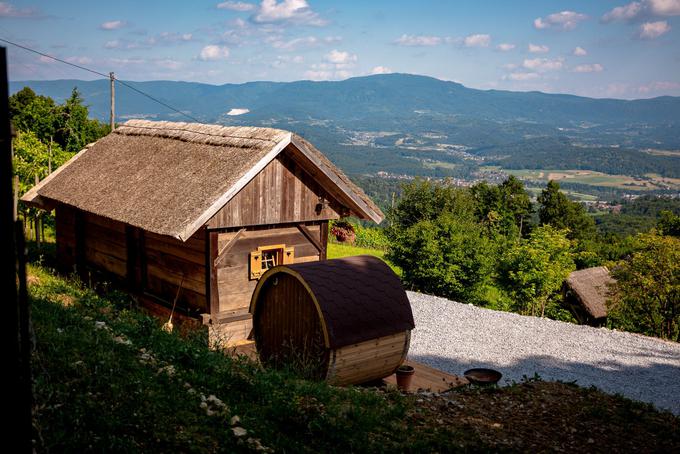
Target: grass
{"x":337,"y":250}
{"x":108,"y":378}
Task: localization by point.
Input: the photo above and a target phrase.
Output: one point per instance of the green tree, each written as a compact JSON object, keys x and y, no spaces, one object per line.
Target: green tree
{"x":38,"y":114}
{"x":74,"y":129}
{"x":426,"y":200}
{"x":647,"y":297}
{"x":669,"y":224}
{"x":437,"y":242}
{"x":447,"y":256}
{"x":504,"y":208}
{"x":532,"y":271}
{"x":557,"y":210}
{"x":32,"y":158}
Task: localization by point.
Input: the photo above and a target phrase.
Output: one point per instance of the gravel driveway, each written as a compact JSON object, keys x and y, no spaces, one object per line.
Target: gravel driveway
{"x":455,"y":337}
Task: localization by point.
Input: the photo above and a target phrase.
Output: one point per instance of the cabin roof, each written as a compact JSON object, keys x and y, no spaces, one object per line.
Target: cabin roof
{"x":170,"y":178}
{"x":591,"y":287}
{"x":360,"y":298}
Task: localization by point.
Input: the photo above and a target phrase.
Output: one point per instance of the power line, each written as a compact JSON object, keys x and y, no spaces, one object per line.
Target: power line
{"x":103,"y":75}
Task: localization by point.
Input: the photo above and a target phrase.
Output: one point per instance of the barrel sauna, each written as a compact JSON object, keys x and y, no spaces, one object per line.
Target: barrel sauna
{"x":345,"y":320}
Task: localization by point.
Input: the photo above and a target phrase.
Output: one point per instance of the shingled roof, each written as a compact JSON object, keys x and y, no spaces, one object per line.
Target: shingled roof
{"x":591,"y":287}
{"x":170,"y":178}
{"x":360,"y":298}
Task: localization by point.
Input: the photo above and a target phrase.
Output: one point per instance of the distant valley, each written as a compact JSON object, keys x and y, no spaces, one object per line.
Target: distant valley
{"x":396,"y":126}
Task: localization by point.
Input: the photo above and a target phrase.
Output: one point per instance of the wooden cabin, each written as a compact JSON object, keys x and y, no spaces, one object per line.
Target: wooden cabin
{"x":345,"y":320}
{"x":586,"y":293}
{"x":196,"y":213}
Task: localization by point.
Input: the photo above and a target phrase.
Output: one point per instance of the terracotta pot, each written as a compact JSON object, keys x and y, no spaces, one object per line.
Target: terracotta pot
{"x":404,"y":377}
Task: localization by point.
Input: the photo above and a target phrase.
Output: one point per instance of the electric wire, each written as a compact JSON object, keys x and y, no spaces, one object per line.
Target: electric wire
{"x":108,"y":76}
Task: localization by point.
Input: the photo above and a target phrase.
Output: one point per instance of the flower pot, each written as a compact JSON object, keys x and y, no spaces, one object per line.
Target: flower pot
{"x":404,"y":377}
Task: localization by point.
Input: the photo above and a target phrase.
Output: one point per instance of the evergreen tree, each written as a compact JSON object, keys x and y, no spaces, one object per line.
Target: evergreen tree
{"x":560,"y":212}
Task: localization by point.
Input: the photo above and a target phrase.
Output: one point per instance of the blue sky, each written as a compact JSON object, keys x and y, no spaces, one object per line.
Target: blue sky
{"x":614,"y":48}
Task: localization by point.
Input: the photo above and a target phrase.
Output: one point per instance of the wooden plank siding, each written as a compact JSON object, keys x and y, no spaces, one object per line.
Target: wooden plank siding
{"x":281,"y":193}
{"x":234,"y":286}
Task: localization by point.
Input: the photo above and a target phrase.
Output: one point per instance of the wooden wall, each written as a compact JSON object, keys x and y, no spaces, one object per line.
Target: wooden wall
{"x":282,"y":192}
{"x":170,"y":262}
{"x":233,"y":284}
{"x":148,"y":263}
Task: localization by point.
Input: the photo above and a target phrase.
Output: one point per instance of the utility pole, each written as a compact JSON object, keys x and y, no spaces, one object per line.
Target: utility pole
{"x":113,"y":100}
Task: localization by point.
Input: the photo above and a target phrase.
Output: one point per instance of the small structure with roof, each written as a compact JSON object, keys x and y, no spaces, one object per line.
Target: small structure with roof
{"x":196,"y":213}
{"x":586,"y":293}
{"x":345,"y":320}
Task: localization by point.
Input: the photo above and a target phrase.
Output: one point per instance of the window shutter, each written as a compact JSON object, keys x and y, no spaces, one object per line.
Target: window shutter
{"x":255,"y":264}
{"x":288,"y":255}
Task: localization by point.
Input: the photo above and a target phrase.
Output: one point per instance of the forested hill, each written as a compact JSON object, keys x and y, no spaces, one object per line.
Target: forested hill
{"x":414,"y":125}
{"x":382,"y":98}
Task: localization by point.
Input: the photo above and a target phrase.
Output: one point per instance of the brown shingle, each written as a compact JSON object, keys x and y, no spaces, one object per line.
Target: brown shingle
{"x":360,"y":297}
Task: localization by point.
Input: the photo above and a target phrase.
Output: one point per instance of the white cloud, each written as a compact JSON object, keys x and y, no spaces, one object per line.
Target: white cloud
{"x":642,"y":9}
{"x":418,"y":40}
{"x":477,"y":40}
{"x":652,"y":30}
{"x":213,"y":53}
{"x":665,"y":7}
{"x":318,"y":75}
{"x":579,"y":51}
{"x":381,"y":70}
{"x":113,"y":25}
{"x":543,"y":64}
{"x":9,"y":10}
{"x":538,"y":48}
{"x":505,"y":47}
{"x":79,"y":60}
{"x":287,"y":11}
{"x":659,"y":86}
{"x":341,"y":59}
{"x":594,"y":68}
{"x":236,"y":6}
{"x":510,"y":66}
{"x":167,"y":63}
{"x":625,"y":12}
{"x":522,"y":76}
{"x":564,"y":20}
{"x":304,"y":42}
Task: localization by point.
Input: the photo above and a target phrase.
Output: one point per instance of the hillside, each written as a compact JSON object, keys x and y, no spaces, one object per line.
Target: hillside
{"x":108,"y":378}
{"x":417,"y":125}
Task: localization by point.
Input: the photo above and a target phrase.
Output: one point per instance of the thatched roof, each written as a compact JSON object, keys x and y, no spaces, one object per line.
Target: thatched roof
{"x":170,"y":178}
{"x":591,"y":287}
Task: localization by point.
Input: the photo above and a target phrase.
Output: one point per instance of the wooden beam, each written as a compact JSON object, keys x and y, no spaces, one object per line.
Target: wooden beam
{"x":324,"y":240}
{"x":310,"y":236}
{"x":227,"y":247}
{"x":211,"y":255}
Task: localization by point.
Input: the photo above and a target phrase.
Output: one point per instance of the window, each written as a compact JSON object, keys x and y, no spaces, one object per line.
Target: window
{"x":266,"y":257}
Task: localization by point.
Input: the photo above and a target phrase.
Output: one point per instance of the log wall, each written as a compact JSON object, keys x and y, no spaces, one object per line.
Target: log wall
{"x":148,"y":263}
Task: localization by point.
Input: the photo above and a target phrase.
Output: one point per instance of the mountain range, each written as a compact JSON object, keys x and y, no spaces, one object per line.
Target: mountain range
{"x":400,"y":122}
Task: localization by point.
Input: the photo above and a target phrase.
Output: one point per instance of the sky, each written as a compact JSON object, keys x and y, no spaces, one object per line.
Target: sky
{"x":591,"y":48}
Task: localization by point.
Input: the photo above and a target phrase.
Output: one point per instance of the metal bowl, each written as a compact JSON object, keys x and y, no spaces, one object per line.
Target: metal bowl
{"x":481,"y":376}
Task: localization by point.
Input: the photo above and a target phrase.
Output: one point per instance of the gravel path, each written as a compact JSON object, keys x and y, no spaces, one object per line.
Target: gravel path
{"x":455,"y":337}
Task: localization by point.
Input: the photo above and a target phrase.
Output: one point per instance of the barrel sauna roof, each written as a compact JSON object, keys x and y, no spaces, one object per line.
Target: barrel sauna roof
{"x":360,"y":298}
{"x":170,"y":178}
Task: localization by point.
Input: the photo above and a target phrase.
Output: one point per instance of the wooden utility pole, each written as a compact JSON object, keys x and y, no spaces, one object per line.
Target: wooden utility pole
{"x":113,"y":100}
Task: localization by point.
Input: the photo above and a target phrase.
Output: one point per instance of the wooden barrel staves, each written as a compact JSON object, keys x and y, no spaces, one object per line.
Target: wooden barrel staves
{"x":345,"y":320}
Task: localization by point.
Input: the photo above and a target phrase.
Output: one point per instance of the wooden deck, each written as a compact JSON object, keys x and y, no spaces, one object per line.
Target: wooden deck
{"x":426,"y":378}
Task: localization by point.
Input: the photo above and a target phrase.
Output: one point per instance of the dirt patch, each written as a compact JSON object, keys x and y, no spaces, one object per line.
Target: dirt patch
{"x":65,"y":300}
{"x":549,"y":417}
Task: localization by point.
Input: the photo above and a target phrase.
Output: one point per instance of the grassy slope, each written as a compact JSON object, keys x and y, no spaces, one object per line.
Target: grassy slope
{"x":108,"y":378}
{"x":336,"y":250}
